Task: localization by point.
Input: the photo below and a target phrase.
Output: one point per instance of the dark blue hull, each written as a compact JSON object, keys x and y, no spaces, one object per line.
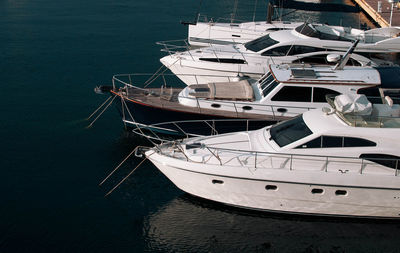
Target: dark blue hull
{"x":138,"y":114}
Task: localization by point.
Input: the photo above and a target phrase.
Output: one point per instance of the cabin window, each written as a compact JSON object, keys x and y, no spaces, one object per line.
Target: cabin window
{"x":316,"y":143}
{"x":216,"y":181}
{"x":357,"y":142}
{"x":277,"y":51}
{"x":298,"y":49}
{"x":315,"y":59}
{"x":390,"y":161}
{"x":319,"y":94}
{"x":289,"y":131}
{"x":264,"y":82}
{"x":271,"y":187}
{"x":292,"y":50}
{"x":269,"y":88}
{"x":332,"y":142}
{"x":247,"y":108}
{"x":341,"y":192}
{"x":293,"y":94}
{"x":260,"y":43}
{"x":337,"y":142}
{"x":317,"y":191}
{"x":267,"y":84}
{"x":215,"y":105}
{"x":224,"y":60}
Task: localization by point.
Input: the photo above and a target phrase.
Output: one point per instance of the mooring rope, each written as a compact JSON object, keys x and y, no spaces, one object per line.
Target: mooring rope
{"x":130,"y":173}
{"x":91,"y":115}
{"x":90,"y":125}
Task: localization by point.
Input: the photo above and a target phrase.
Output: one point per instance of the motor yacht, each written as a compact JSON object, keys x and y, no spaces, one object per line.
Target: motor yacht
{"x":307,"y":43}
{"x":341,"y":160}
{"x":284,"y":92}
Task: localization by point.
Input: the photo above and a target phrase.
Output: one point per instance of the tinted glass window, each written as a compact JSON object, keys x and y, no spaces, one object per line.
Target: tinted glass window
{"x":332,"y":142}
{"x":269,"y":88}
{"x":260,"y":43}
{"x":315,"y":59}
{"x":266,"y":80}
{"x":289,"y":131}
{"x":224,"y":60}
{"x":316,"y":143}
{"x":358,"y":142}
{"x":277,"y":51}
{"x":320,"y":93}
{"x":304,"y":49}
{"x":293,"y":94}
{"x":390,"y":161}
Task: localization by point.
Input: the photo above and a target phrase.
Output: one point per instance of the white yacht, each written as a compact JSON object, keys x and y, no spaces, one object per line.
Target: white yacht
{"x":284,"y":92}
{"x":306,"y":44}
{"x":338,"y":161}
{"x":204,"y":31}
{"x":203,"y":34}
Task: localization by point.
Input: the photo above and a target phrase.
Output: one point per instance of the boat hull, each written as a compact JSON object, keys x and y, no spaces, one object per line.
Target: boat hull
{"x":137,"y":114}
{"x":293,"y":193}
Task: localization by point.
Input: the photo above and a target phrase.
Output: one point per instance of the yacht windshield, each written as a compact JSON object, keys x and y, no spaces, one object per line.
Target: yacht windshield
{"x":289,"y":131}
{"x":310,"y":31}
{"x":260,"y":43}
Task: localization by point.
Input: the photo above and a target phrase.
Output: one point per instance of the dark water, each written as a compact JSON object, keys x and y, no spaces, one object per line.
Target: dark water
{"x":52,"y":55}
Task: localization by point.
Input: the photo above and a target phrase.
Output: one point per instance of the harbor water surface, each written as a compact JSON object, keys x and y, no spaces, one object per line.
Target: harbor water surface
{"x":53,"y":53}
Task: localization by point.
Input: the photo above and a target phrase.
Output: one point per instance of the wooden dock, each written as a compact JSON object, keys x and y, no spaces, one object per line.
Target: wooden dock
{"x":381,"y":18}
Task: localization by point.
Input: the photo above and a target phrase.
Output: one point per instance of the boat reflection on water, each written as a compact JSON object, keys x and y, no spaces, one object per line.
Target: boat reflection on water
{"x":191,"y":224}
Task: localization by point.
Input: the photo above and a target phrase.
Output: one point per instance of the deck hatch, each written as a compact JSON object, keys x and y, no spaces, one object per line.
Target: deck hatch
{"x":303,"y":73}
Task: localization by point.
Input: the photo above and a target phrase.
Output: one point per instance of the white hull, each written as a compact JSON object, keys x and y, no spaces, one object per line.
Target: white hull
{"x":205,"y":34}
{"x":293,"y":193}
{"x":195,"y":75}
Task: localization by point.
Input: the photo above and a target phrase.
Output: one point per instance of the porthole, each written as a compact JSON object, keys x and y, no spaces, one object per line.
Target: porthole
{"x":270,"y":187}
{"x":216,"y":105}
{"x":216,"y":181}
{"x":317,"y":191}
{"x":282,"y":110}
{"x":247,"y":108}
{"x":340,"y":192}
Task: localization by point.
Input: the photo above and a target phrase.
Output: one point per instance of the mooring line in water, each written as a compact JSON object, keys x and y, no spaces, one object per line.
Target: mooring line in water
{"x":119,"y":165}
{"x":130,"y":173}
{"x":90,"y":125}
{"x":91,"y":115}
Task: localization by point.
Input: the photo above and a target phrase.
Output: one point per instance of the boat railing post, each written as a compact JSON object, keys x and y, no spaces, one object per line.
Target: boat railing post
{"x":247,"y":125}
{"x":291,"y":162}
{"x":237,"y":114}
{"x":397,"y":167}
{"x":362,"y":165}
{"x":255,"y":160}
{"x":187,"y":47}
{"x":326,"y":164}
{"x":198,"y":104}
{"x":273,"y":112}
{"x":130,"y":80}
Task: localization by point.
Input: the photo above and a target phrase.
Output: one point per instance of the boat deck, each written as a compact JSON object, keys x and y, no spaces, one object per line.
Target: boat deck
{"x":167,"y":98}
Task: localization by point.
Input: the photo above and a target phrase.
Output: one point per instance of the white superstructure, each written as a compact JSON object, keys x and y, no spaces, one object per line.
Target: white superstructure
{"x":306,"y":44}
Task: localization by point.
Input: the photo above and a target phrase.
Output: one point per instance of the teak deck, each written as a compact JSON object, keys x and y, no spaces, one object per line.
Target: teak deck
{"x":167,"y":99}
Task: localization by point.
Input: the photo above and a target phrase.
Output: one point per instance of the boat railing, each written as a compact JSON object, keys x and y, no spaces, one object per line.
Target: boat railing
{"x":172,"y":130}
{"x":174,"y":46}
{"x":282,"y":161}
{"x":144,"y":80}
